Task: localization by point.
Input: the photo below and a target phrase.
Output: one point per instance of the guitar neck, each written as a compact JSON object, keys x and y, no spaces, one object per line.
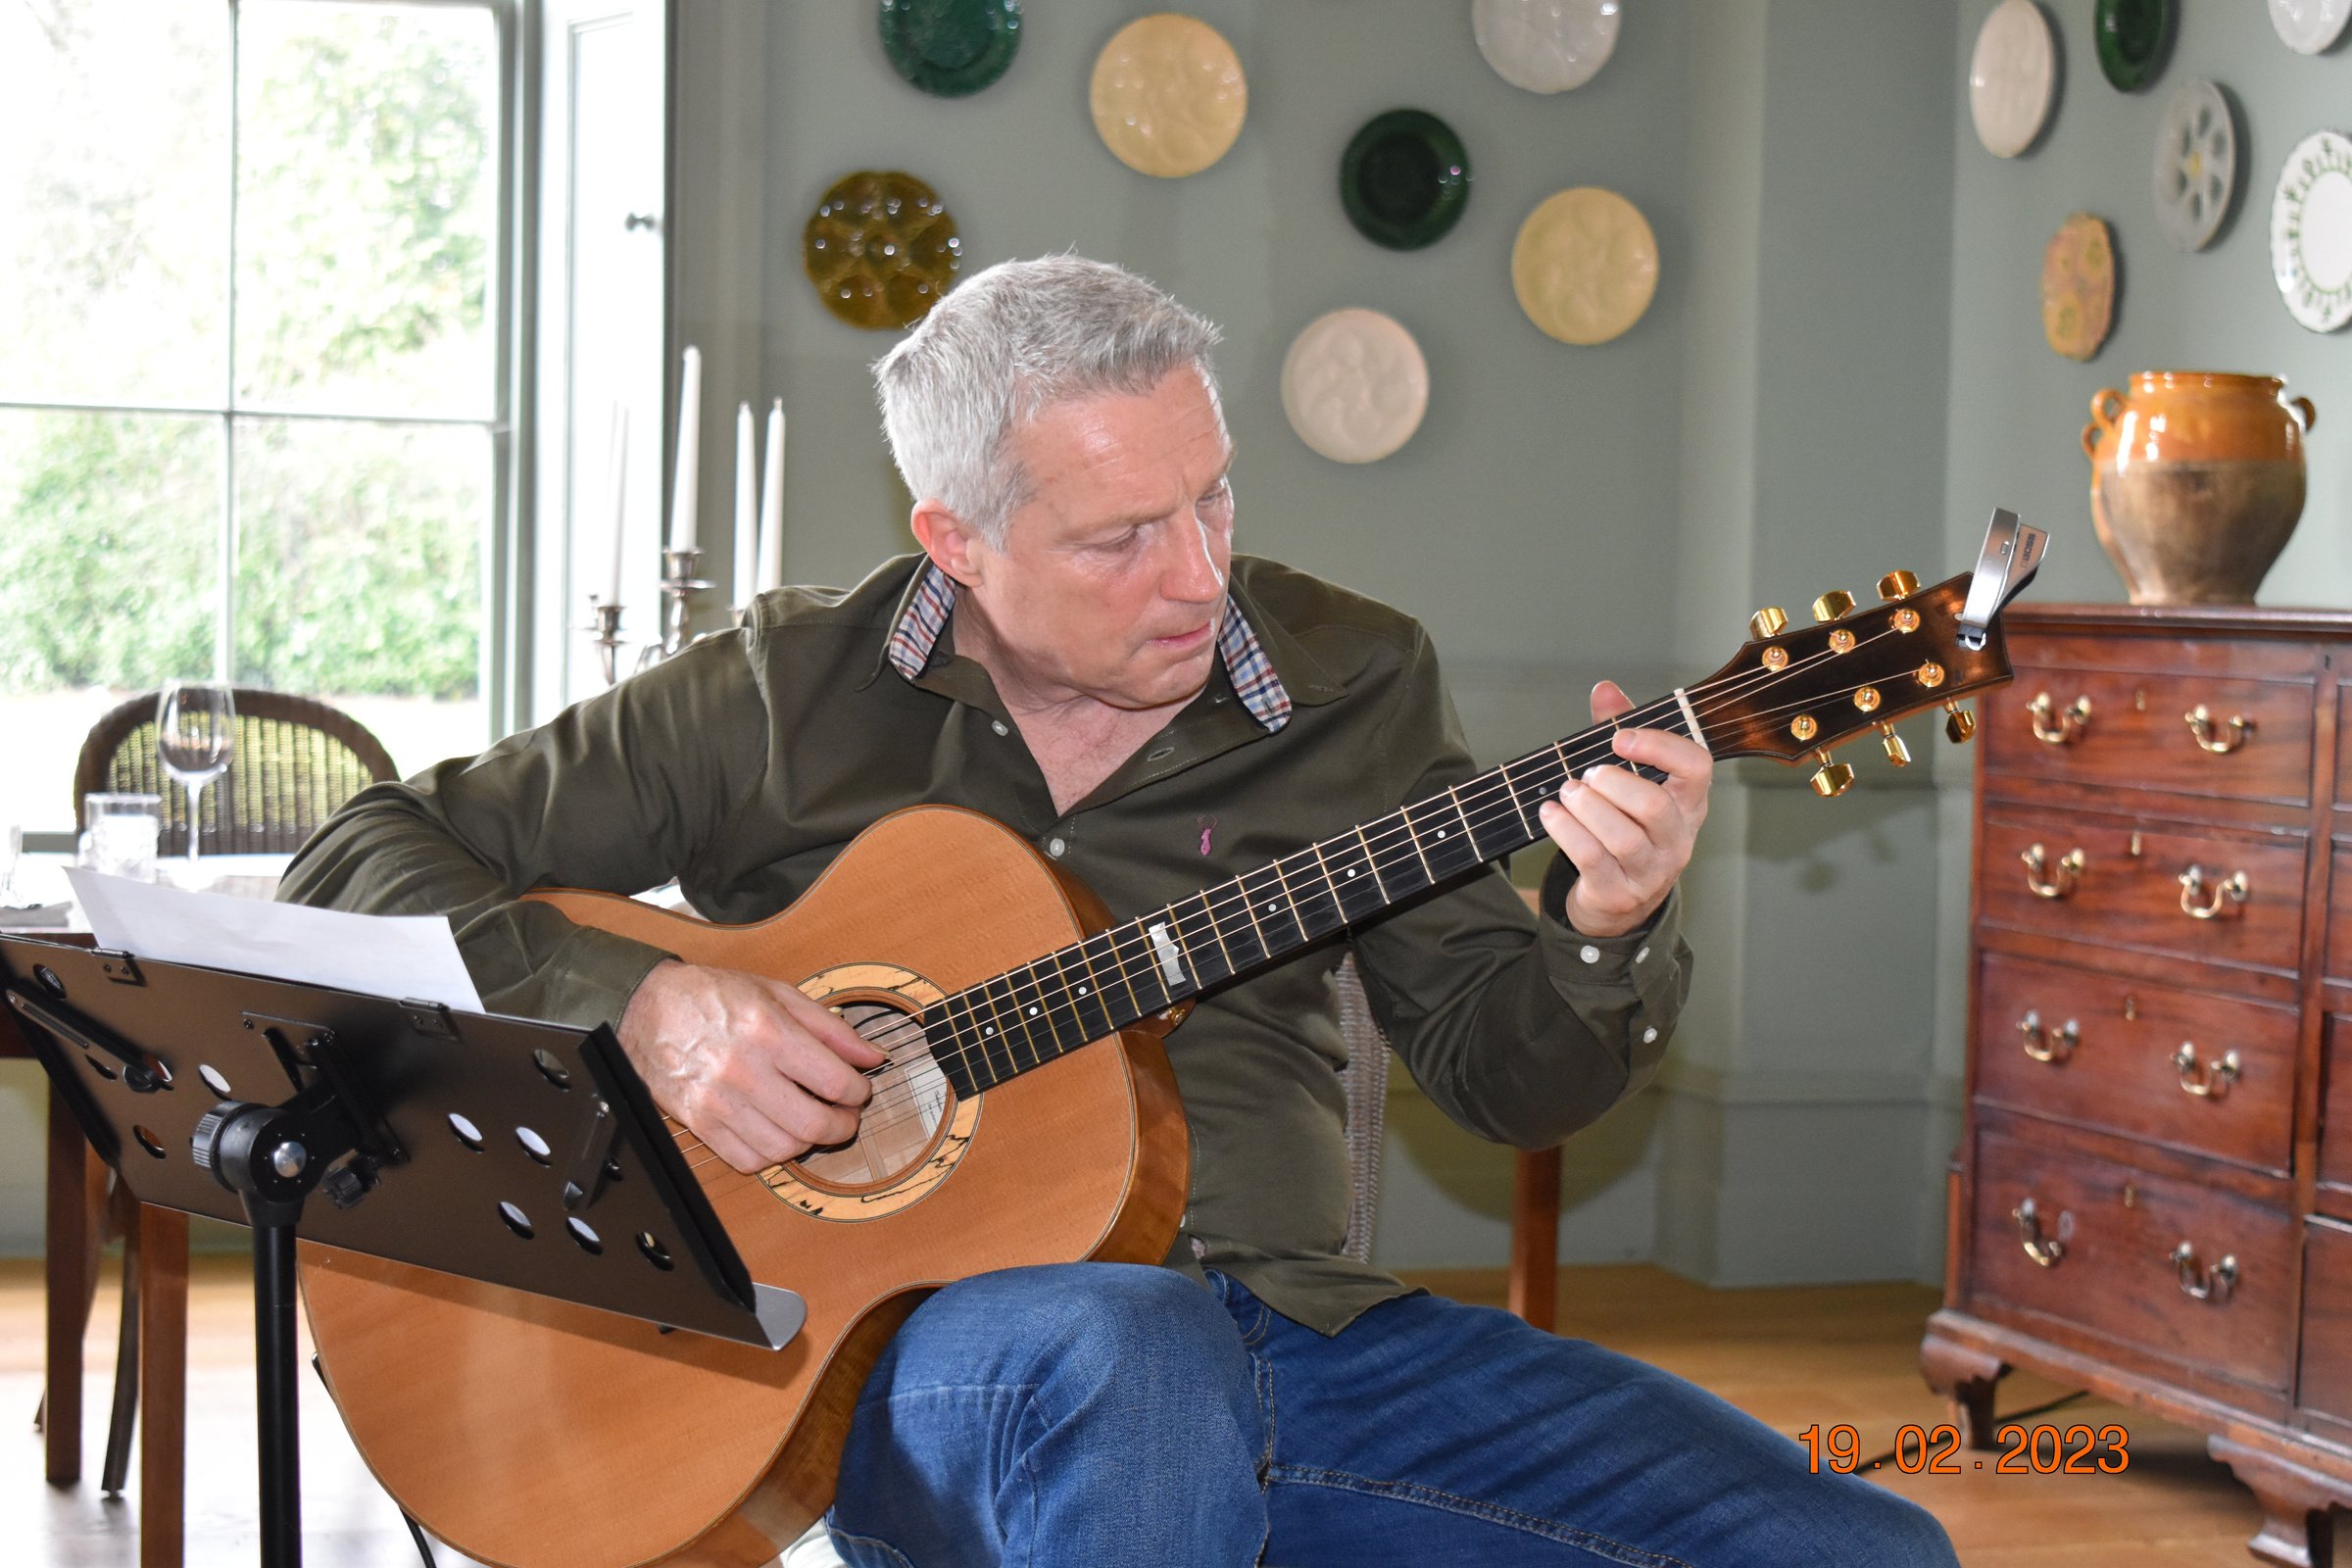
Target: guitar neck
{"x":1028,"y":1016}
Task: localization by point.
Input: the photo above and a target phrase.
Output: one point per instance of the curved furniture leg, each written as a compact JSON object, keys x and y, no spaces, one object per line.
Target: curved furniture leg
{"x":1965,"y":1378}
{"x":2298,"y":1527}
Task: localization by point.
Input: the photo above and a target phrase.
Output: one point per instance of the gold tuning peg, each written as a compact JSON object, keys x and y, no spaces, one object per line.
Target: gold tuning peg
{"x":1961,"y":723}
{"x":1897,"y":585}
{"x":1833,"y":779}
{"x":1833,"y":605}
{"x":1767,"y":622}
{"x":1896,"y":752}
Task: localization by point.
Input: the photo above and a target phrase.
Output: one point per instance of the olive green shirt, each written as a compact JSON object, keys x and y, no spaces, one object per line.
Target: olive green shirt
{"x":746,"y":763}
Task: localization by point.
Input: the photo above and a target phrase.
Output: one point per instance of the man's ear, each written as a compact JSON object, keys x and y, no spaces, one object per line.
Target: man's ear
{"x":954,"y":545}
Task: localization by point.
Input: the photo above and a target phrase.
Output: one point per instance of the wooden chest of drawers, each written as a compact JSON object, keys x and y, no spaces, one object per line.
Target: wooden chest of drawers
{"x":2154,"y":1194}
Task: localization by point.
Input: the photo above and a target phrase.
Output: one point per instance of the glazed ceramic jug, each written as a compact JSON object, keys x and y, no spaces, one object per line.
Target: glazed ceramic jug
{"x":2197,"y":481}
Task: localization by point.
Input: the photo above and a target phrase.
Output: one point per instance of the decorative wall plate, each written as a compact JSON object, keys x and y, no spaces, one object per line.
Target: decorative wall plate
{"x":2012,"y":76}
{"x":1355,"y":385}
{"x":2310,"y":26}
{"x":881,"y":248}
{"x":950,"y":48}
{"x":2078,"y":286}
{"x":1546,"y":45}
{"x":2133,"y":36}
{"x":2196,"y":164}
{"x":1404,"y":179}
{"x":2311,"y":231}
{"x":1585,"y":265}
{"x":1168,"y":95}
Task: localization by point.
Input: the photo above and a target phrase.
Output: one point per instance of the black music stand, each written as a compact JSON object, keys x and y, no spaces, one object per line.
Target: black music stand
{"x":522,"y":1154}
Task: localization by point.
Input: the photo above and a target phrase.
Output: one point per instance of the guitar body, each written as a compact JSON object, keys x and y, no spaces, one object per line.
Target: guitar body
{"x":528,"y":1432}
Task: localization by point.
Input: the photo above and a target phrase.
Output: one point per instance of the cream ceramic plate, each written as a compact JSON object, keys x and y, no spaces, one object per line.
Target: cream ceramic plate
{"x":2196,"y":165}
{"x":1546,"y":45}
{"x":2308,"y":26}
{"x":1585,"y":265}
{"x":2311,"y":231}
{"x":1168,"y":95}
{"x":2011,"y":78}
{"x":1355,"y":385}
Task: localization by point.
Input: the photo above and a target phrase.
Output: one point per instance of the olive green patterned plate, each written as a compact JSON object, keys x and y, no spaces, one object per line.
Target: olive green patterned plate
{"x":951,"y":48}
{"x":1404,"y":179}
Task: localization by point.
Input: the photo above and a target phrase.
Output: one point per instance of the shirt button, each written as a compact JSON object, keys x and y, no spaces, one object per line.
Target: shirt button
{"x":1641,"y":956}
{"x":1054,"y":847}
{"x":1649,"y":1037}
{"x":1590,"y":954}
{"x":997,"y":725}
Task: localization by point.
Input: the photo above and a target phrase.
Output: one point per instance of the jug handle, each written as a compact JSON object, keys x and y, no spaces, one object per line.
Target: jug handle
{"x":2304,"y":413}
{"x":2102,"y":418}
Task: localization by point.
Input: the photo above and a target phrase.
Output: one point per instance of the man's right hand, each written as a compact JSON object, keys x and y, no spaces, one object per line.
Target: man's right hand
{"x":755,"y":1069}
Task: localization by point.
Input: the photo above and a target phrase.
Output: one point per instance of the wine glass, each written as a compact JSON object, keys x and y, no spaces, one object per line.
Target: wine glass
{"x":195,"y":733}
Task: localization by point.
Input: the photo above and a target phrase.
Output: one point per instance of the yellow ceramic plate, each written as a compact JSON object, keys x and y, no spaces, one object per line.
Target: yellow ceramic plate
{"x":1168,"y":95}
{"x":2078,"y":286}
{"x":1584,"y":266}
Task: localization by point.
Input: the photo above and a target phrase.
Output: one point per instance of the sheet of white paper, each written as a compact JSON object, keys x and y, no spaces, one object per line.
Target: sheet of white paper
{"x":404,"y":956}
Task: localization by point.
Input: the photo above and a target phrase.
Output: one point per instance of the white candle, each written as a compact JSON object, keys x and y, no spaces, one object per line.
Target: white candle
{"x":684,"y":494}
{"x":746,"y":539}
{"x":618,"y":465}
{"x":771,"y":503}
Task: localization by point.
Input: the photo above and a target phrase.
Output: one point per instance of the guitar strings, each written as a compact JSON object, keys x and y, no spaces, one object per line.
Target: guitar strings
{"x":887,"y":1111}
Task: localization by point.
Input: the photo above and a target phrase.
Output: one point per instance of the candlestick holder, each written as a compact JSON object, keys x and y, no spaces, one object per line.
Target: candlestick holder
{"x":679,"y":585}
{"x":605,"y":634}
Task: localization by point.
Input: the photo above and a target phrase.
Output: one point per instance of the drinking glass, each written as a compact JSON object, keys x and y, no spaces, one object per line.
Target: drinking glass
{"x":195,"y":733}
{"x":125,"y":830}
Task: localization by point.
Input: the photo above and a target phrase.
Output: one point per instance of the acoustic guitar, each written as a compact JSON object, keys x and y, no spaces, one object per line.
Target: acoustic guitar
{"x":1026,"y":1116}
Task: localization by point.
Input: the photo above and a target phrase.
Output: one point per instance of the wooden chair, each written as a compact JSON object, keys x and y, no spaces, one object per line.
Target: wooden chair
{"x":295,"y":760}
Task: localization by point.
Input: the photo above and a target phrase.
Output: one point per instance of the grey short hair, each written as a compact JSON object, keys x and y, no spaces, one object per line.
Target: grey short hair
{"x":1008,"y":342}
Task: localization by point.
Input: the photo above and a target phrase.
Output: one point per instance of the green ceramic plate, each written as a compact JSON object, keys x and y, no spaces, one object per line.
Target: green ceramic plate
{"x":1404,"y":179}
{"x":2133,"y":36}
{"x":950,"y":48}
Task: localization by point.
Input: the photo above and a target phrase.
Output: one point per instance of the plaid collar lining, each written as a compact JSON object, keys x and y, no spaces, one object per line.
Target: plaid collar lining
{"x":916,"y":635}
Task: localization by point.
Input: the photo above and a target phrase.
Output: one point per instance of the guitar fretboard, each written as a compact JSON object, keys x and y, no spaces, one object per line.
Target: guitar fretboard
{"x":1028,"y":1016}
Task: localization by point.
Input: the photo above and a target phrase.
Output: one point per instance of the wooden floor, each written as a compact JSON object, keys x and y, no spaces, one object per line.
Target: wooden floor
{"x":1793,"y":1358}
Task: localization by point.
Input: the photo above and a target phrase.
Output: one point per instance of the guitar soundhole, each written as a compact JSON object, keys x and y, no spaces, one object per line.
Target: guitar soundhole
{"x":902,"y":1120}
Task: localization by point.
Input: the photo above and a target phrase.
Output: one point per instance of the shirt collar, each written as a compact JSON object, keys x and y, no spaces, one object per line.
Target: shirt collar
{"x":931,"y":599}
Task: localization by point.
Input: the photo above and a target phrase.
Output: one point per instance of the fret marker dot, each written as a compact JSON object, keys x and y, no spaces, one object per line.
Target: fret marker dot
{"x":1351,"y":870}
{"x":989,"y":1029}
{"x":1032,"y":1012}
{"x":1440,"y":832}
{"x":1082,"y":991}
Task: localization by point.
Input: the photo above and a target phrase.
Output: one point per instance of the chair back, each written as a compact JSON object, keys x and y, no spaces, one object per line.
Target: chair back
{"x":1365,"y":1081}
{"x":295,"y":760}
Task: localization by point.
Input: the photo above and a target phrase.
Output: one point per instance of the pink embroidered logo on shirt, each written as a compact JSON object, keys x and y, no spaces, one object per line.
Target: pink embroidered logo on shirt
{"x":1207,"y":825}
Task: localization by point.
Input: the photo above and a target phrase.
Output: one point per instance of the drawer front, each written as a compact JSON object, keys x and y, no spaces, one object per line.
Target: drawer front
{"x":2335,"y":1110}
{"x":2254,"y":742}
{"x":2112,"y":1235}
{"x":2339,"y":915}
{"x":2117,"y":899}
{"x":2327,"y":1377}
{"x":2211,"y":1074}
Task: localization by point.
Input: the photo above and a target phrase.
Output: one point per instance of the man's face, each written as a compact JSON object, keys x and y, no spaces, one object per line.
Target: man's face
{"x":1111,"y":582}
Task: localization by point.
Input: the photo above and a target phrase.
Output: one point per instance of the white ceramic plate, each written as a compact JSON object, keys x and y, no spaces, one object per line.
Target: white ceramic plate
{"x":1355,"y":385}
{"x":1546,"y":45}
{"x":2310,"y":25}
{"x":2311,"y":231}
{"x":2196,"y":165}
{"x":2011,"y":78}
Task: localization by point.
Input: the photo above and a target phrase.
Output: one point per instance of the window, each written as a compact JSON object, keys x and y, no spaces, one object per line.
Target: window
{"x":254,"y":254}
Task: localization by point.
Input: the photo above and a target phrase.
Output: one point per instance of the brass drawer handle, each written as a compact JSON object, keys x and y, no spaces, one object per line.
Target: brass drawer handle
{"x":2029,"y":1235}
{"x":2226,"y":893}
{"x":2070,"y":871}
{"x":2200,"y":729}
{"x":2057,"y":1047}
{"x":2204,"y":1284}
{"x":2207,"y":1080}
{"x":2068,"y":726}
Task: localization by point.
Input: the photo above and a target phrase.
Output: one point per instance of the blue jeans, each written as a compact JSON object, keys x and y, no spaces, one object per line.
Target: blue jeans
{"x":1105,"y":1414}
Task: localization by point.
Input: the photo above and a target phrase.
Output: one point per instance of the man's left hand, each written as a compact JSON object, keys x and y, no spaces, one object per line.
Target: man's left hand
{"x":1629,"y":837}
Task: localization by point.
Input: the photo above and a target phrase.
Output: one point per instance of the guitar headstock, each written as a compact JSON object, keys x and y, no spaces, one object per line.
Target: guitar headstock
{"x":1796,"y":693}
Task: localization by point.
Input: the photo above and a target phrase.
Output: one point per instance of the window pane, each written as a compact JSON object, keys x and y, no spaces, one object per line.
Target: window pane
{"x":113,"y":201}
{"x":359,"y":575}
{"x":367,"y":175}
{"x":110,"y":528}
